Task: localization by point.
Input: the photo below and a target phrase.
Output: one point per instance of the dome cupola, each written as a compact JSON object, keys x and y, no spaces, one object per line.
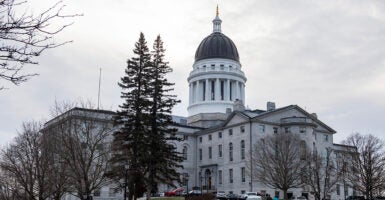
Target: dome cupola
{"x":217,"y":44}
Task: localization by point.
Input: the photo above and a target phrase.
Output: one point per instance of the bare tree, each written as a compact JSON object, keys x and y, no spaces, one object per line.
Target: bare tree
{"x":322,"y":172}
{"x":26,"y":165}
{"x":83,"y":135}
{"x":368,"y":171}
{"x":276,"y":161}
{"x":26,"y":36}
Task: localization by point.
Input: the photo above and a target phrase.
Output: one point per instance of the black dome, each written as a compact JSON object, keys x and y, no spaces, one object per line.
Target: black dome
{"x":217,"y":45}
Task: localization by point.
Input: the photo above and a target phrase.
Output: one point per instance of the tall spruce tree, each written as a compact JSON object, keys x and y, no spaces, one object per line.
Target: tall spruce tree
{"x":163,"y":160}
{"x":130,"y":141}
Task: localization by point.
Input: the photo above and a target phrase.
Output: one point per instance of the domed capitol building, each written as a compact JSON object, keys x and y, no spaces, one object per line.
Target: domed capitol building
{"x":219,"y":132}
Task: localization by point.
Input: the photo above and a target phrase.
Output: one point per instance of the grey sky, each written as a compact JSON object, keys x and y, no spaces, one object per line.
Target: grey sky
{"x":326,"y":56}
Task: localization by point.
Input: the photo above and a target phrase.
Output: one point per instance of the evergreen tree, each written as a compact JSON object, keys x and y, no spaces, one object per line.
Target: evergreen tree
{"x":129,"y":145}
{"x":163,"y":159}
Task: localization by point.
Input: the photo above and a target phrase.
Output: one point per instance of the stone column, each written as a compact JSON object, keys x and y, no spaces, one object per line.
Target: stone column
{"x":189,"y":93}
{"x":243,"y":93}
{"x":196,"y":91}
{"x":217,"y":89}
{"x":228,"y":98}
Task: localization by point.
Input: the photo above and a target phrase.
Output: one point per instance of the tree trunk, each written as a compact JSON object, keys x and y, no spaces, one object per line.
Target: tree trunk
{"x":285,"y":194}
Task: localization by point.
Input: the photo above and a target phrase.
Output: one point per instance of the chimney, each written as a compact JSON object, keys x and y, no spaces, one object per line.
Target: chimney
{"x":238,"y":105}
{"x":270,"y":106}
{"x":315,"y":115}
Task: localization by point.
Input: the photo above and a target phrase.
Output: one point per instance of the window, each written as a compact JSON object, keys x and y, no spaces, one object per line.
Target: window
{"x":220,"y":151}
{"x":275,"y":129}
{"x":230,"y":131}
{"x":212,"y":66}
{"x":287,"y":129}
{"x":97,"y":193}
{"x":231,"y":151}
{"x":261,"y":128}
{"x":200,"y":154}
{"x":338,"y":189}
{"x":210,"y":137}
{"x":231,"y":175}
{"x":326,"y":137}
{"x":219,"y":134}
{"x":243,"y":174}
{"x":184,"y":153}
{"x":220,"y":176}
{"x":222,"y":67}
{"x":302,"y":129}
{"x":346,"y":189}
{"x":315,"y":135}
{"x":303,"y":150}
{"x":185,"y":137}
{"x":242,"y":129}
{"x":200,"y":139}
{"x":210,"y":152}
{"x":243,"y":191}
{"x":242,"y":149}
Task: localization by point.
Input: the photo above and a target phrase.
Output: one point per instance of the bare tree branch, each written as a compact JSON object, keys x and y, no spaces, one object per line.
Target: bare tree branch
{"x":24,"y":37}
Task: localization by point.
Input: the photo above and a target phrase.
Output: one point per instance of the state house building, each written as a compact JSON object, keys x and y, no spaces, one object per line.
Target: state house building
{"x":219,"y":133}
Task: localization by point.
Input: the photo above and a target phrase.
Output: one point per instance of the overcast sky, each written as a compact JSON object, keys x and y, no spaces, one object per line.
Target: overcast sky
{"x":327,"y":56}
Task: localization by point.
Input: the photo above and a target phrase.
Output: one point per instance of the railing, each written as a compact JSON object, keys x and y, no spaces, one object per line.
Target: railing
{"x":210,"y":69}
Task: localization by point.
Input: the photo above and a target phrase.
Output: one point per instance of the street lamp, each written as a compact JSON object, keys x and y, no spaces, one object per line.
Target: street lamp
{"x":185,"y":179}
{"x":125,"y":180}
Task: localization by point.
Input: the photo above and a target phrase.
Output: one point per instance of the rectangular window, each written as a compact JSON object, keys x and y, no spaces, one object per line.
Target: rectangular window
{"x":97,"y":193}
{"x":230,"y":131}
{"x":200,"y":139}
{"x":338,"y":189}
{"x":243,"y":175}
{"x":219,"y":134}
{"x":185,"y":137}
{"x":200,"y":154}
{"x":242,"y":129}
{"x":231,"y":175}
{"x":261,"y":128}
{"x":220,"y":151}
{"x":210,"y":137}
{"x":287,"y":130}
{"x":302,"y":129}
{"x":220,"y":176}
{"x":243,"y":192}
{"x":210,"y":152}
{"x":326,"y":137}
{"x":275,"y":130}
{"x":212,"y":66}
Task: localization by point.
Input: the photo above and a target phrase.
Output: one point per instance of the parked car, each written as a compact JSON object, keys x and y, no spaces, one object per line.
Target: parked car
{"x":379,"y":198}
{"x":232,"y":196}
{"x":254,"y":197}
{"x":246,"y":194}
{"x":175,"y":192}
{"x":221,"y":195}
{"x":195,"y":193}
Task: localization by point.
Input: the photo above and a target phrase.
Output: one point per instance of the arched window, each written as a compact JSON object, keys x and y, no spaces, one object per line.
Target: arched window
{"x":242,"y":149}
{"x":231,"y":151}
{"x":184,"y":153}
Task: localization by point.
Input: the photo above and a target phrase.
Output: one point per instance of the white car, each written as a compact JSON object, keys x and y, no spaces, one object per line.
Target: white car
{"x":221,"y":195}
{"x":246,"y":194}
{"x":254,"y":197}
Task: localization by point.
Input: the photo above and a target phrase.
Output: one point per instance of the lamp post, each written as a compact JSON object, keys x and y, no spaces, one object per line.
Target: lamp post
{"x":125,"y":180}
{"x":185,"y":179}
